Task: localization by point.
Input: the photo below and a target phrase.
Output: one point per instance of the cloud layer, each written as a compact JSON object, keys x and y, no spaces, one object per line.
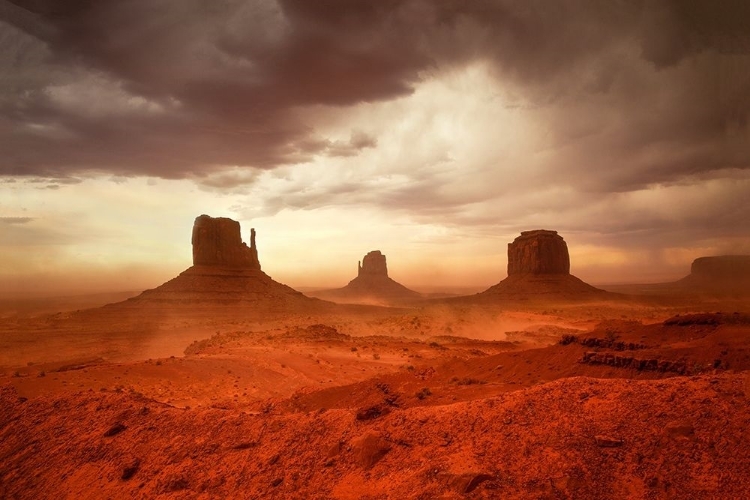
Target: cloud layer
{"x":174,"y":89}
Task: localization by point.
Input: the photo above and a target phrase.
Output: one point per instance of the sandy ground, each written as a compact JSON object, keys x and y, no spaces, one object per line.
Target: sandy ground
{"x":525,"y":399}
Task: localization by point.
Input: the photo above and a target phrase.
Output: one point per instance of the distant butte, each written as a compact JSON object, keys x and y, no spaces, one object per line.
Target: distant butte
{"x":372,"y":285}
{"x":218,"y":242}
{"x":538,"y":252}
{"x":539,"y":264}
{"x":224,"y":271}
{"x":722,"y":274}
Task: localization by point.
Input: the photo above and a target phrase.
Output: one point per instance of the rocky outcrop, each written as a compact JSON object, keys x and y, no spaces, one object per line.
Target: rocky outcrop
{"x":217,"y":242}
{"x":539,"y":266}
{"x":373,"y":264}
{"x":225,"y":271}
{"x":723,"y":267}
{"x":723,"y":274}
{"x":679,"y":367}
{"x":371,"y":286}
{"x":538,"y":252}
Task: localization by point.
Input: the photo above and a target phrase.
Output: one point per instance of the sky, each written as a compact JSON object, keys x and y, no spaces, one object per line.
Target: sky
{"x":432,"y":131}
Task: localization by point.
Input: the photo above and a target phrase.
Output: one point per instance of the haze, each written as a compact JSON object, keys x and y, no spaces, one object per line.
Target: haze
{"x":435,"y":132}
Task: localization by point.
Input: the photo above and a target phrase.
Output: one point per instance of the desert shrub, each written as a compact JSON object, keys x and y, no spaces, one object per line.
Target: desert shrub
{"x":568,"y":339}
{"x":423,"y":393}
{"x":469,"y":381}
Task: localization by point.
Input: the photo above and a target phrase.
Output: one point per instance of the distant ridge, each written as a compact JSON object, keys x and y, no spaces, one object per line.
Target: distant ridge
{"x":718,"y":275}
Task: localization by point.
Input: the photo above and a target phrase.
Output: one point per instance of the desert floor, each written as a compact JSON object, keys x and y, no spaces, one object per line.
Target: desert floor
{"x":622,"y":397}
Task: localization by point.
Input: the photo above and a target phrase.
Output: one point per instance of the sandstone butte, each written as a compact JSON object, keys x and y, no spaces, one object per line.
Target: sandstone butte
{"x":372,"y":284}
{"x":539,"y":264}
{"x":224,"y":271}
{"x":722,"y":274}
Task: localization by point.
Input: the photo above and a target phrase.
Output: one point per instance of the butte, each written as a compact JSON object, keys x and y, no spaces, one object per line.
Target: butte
{"x":719,"y":275}
{"x":372,"y":285}
{"x":539,"y":265}
{"x":225,"y":271}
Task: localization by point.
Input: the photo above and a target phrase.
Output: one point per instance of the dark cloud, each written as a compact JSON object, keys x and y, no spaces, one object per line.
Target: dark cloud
{"x":185,"y":89}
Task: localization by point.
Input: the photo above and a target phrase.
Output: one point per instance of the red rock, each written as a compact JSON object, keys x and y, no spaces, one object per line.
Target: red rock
{"x":723,"y":274}
{"x":225,"y":271}
{"x":723,"y":267}
{"x":608,"y":441}
{"x":217,"y":242}
{"x":372,"y":285}
{"x":539,"y":265}
{"x":538,"y":252}
{"x":370,"y":449}
{"x":373,"y":264}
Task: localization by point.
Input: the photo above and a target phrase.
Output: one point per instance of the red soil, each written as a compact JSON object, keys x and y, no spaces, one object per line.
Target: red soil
{"x":616,"y":399}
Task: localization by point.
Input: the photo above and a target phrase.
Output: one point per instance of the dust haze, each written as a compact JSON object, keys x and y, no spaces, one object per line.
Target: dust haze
{"x":250,"y":381}
{"x":343,"y":249}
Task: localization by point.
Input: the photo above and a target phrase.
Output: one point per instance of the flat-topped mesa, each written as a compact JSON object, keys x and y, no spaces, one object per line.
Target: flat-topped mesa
{"x":538,"y":252}
{"x":217,"y":242}
{"x":373,"y":264}
{"x":721,"y":268}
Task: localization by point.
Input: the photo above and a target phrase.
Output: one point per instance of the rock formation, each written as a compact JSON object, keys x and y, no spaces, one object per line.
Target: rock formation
{"x":225,"y":271}
{"x":372,"y":285}
{"x":721,"y":268}
{"x":217,"y":242}
{"x":373,"y":264}
{"x":723,"y":274}
{"x":538,"y":252}
{"x":539,"y":264}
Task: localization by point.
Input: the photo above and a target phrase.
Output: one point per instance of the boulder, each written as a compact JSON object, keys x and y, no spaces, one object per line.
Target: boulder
{"x":538,"y":252}
{"x":217,"y":242}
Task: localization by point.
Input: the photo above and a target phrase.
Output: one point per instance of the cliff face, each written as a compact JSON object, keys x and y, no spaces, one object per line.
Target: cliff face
{"x":225,"y":271}
{"x":719,"y":275}
{"x":373,"y":264}
{"x":217,"y":242}
{"x":721,"y":268}
{"x":538,"y":252}
{"x":539,"y":266}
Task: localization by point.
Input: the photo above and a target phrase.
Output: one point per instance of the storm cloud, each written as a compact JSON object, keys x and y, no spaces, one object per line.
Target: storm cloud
{"x":184,"y":89}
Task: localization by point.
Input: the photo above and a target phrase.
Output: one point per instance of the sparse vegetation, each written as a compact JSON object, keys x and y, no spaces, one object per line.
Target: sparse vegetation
{"x":423,"y":393}
{"x":467,"y":381}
